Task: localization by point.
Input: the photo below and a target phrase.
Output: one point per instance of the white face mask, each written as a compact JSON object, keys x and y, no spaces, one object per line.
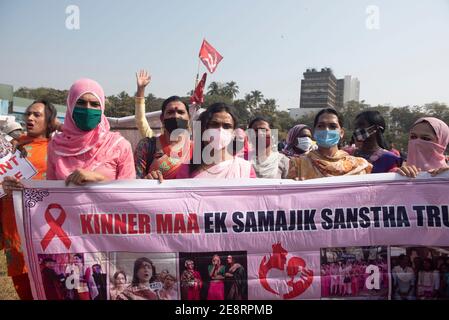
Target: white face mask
{"x":304,"y":143}
{"x":221,"y":138}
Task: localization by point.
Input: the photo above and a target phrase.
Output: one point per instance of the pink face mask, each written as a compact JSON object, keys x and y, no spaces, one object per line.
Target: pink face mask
{"x":425,"y":155}
{"x":219,"y":138}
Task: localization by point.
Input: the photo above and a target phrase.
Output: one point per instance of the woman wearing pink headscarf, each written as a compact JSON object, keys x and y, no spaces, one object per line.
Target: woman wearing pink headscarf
{"x":299,"y":141}
{"x":428,"y":140}
{"x":87,"y":151}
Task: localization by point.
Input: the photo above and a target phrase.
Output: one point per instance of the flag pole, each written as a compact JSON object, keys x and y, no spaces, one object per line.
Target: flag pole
{"x":198,"y":70}
{"x":197,"y":73}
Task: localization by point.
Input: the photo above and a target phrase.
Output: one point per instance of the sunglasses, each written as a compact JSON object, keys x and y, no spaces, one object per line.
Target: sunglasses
{"x":84,"y":103}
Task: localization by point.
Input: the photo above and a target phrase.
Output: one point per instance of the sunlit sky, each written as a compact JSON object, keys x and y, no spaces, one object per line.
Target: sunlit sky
{"x":266,"y":45}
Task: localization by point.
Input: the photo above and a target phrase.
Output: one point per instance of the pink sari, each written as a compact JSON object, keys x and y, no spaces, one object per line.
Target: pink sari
{"x":216,"y":290}
{"x":216,"y":286}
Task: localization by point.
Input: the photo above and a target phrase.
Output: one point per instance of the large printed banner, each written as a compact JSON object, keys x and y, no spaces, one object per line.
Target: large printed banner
{"x":369,"y":237}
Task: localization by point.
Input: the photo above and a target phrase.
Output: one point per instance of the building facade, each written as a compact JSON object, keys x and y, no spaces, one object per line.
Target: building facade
{"x":348,"y":89}
{"x":318,"y":89}
{"x":321,"y":89}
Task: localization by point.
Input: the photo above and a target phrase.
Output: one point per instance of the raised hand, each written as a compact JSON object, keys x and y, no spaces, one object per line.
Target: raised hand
{"x":143,"y":79}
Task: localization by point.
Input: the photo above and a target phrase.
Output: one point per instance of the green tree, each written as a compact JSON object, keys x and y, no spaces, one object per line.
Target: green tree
{"x":230,"y":89}
{"x":242,"y":113}
{"x":214,"y":89}
{"x":52,"y":95}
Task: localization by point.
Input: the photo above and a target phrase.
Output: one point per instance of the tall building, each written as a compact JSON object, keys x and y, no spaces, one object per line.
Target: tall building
{"x":318,"y":89}
{"x":321,"y":89}
{"x":348,"y":89}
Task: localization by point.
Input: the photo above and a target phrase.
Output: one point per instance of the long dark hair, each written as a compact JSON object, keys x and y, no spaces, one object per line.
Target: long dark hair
{"x":373,"y":117}
{"x":205,"y":118}
{"x":50,"y":115}
{"x":137,"y":265}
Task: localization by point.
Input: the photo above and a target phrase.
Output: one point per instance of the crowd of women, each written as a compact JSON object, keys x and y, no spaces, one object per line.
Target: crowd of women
{"x":423,"y":278}
{"x":85,"y":150}
{"x":348,"y":278}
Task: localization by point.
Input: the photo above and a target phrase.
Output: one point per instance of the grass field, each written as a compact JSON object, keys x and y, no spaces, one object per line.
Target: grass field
{"x":7,"y":291}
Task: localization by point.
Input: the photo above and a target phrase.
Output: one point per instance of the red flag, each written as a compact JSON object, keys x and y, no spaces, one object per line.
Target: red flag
{"x":210,"y":57}
{"x":198,"y":95}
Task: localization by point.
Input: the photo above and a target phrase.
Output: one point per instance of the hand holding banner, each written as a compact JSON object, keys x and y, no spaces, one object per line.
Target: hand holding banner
{"x":318,"y":242}
{"x":13,"y":165}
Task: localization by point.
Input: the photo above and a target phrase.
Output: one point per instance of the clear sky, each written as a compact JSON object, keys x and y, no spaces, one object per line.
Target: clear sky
{"x":266,"y":45}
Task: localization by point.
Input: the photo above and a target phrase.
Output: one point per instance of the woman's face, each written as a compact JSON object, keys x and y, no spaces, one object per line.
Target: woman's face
{"x":145,"y":272}
{"x":424,"y":131}
{"x":261,"y":128}
{"x":35,"y":120}
{"x":262,"y":131}
{"x":176,"y":109}
{"x":88,"y":100}
{"x":76,"y":260}
{"x":361,"y":123}
{"x":168,"y":282}
{"x":120,"y":280}
{"x":305,"y":133}
{"x":190,"y":265}
{"x":221,"y":120}
{"x":328,"y":121}
{"x":215,"y":260}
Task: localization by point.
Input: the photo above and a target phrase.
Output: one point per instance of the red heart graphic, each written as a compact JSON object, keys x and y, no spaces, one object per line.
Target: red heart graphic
{"x":295,"y":266}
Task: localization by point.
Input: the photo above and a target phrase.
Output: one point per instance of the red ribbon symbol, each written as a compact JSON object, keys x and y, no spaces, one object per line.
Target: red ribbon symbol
{"x":55,"y":227}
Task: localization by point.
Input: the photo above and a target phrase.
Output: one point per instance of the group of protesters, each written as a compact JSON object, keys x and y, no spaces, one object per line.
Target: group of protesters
{"x":209,"y":144}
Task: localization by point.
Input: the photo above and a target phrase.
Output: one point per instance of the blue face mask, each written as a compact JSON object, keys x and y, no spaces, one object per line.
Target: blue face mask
{"x":327,"y":138}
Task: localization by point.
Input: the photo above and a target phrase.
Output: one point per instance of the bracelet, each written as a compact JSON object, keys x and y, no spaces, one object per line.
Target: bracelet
{"x":139,"y":98}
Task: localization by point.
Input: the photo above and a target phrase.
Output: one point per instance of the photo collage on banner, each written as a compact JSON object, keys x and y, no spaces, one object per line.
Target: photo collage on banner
{"x":143,"y":276}
{"x":385,"y":272}
{"x":420,"y":273}
{"x":214,"y":275}
{"x":354,"y":273}
{"x":74,"y":276}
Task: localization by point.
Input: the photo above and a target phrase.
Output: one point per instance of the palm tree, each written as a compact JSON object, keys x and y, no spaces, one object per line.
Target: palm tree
{"x":214,"y":89}
{"x":231,"y":89}
{"x":257,"y":97}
